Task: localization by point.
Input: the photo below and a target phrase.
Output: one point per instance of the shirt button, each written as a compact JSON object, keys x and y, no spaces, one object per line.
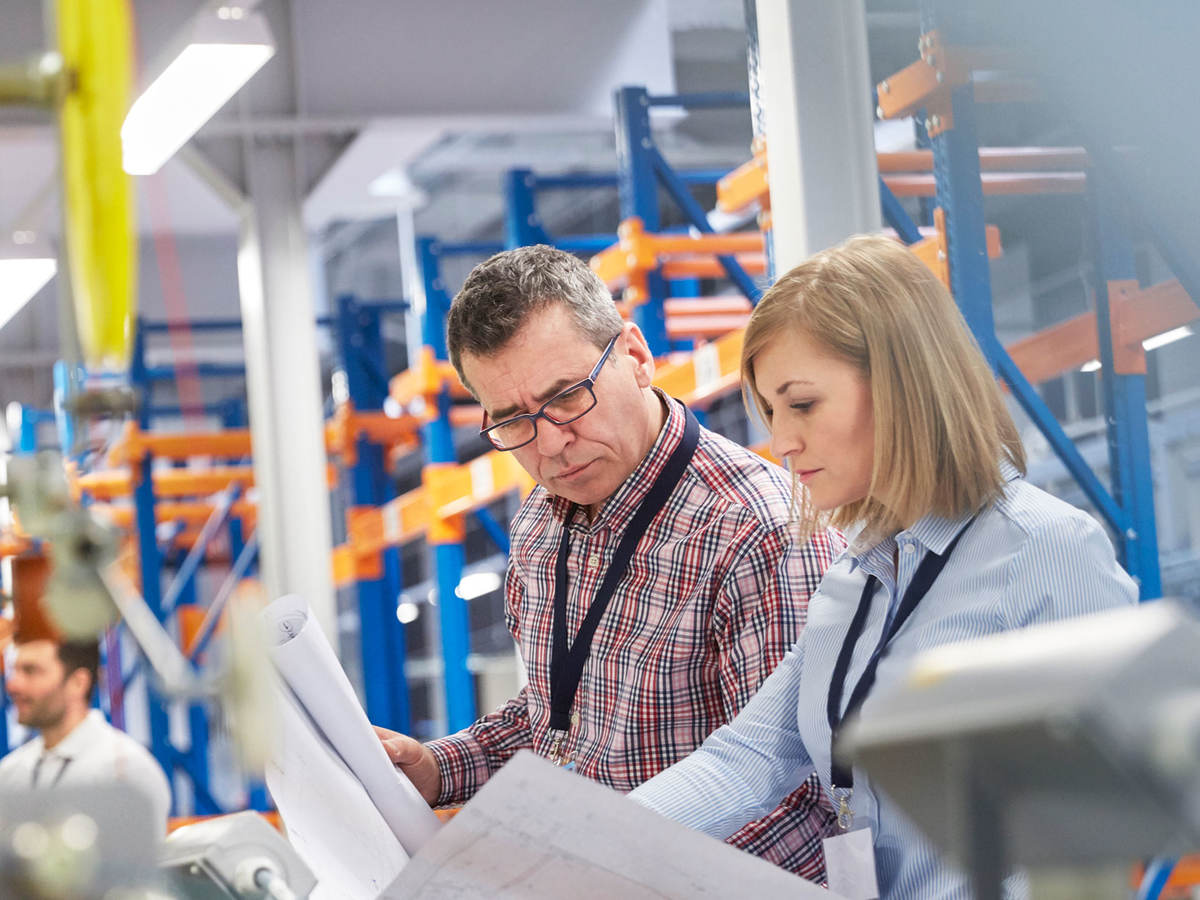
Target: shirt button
{"x":909,"y":548}
{"x":593,"y":561}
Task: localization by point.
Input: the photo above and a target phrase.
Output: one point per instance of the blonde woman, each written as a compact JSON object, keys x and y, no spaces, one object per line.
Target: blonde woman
{"x":883,"y":408}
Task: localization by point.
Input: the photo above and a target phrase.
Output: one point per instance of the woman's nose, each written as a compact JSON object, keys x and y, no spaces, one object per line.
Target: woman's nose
{"x":783,"y":441}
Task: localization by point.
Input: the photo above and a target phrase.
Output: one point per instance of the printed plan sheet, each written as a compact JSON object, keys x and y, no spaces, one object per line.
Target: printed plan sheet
{"x":535,"y":831}
{"x":350,"y":814}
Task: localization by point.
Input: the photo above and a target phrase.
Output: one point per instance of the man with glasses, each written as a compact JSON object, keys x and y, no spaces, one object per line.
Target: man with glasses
{"x":50,"y":684}
{"x":653,"y":582}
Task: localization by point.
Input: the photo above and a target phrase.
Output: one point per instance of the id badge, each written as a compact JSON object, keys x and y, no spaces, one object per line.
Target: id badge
{"x":850,"y":865}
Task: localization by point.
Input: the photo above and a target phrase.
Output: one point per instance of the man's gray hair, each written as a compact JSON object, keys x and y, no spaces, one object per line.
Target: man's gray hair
{"x":501,"y":293}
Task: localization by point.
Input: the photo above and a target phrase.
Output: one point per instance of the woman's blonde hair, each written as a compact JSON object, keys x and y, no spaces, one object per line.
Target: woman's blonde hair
{"x":941,"y":426}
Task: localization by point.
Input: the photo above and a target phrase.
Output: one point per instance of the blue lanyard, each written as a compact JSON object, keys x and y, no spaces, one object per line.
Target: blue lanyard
{"x":566,"y":666}
{"x":842,"y":775}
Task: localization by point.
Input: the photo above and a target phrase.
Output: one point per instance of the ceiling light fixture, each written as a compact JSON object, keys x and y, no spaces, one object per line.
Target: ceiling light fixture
{"x":222,"y":47}
{"x":477,"y":584}
{"x":1150,"y":343}
{"x":1167,"y":337}
{"x":26,"y":266}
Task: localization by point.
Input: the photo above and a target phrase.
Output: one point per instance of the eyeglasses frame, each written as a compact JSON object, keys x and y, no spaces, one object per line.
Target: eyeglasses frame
{"x":589,"y":383}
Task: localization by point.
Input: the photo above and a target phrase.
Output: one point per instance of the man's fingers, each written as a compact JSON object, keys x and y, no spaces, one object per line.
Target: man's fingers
{"x":401,"y":749}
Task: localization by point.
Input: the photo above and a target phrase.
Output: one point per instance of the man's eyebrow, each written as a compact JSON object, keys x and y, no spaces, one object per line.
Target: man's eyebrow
{"x":507,"y":412}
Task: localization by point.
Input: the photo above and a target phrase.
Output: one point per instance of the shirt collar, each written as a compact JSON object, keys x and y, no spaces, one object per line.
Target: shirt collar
{"x":82,"y":737}
{"x":624,"y":501}
{"x":930,"y":532}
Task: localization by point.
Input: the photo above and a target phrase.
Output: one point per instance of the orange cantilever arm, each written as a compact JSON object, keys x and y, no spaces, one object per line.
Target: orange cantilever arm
{"x":704,"y":267}
{"x":1136,"y":316}
{"x":931,"y":250}
{"x":708,"y":372}
{"x":928,"y":82}
{"x":611,"y":265}
{"x":705,"y":327}
{"x":745,"y":185}
{"x":12,"y":544}
{"x":190,"y":513}
{"x":749,"y":183}
{"x":992,"y":159}
{"x":449,"y":491}
{"x":134,"y":444}
{"x":994,"y":183}
{"x":716,"y":244}
{"x":425,"y":380}
{"x":639,"y":252}
{"x":110,"y":483}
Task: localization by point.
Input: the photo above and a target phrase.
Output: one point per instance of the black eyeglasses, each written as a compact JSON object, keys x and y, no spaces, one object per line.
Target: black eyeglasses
{"x":565,"y":406}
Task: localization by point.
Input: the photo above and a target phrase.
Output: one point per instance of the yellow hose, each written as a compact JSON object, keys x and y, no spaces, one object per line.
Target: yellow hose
{"x":95,"y":42}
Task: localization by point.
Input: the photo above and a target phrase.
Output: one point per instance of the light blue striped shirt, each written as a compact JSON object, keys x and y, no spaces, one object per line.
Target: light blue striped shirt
{"x":1027,"y":558}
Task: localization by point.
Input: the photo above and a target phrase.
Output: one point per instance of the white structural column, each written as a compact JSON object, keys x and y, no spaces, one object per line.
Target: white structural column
{"x":815,"y":85}
{"x":284,"y":386}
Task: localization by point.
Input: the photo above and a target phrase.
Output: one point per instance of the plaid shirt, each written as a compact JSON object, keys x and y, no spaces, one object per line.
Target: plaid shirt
{"x":716,"y":593}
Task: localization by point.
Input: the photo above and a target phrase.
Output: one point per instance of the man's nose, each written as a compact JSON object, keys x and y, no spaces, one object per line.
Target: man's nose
{"x":551,"y":438}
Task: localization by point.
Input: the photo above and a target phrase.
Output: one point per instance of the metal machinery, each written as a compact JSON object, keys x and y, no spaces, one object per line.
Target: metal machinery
{"x":1071,"y":744}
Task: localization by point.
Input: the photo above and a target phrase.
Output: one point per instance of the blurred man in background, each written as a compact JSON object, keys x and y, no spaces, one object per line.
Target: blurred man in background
{"x":51,"y":684}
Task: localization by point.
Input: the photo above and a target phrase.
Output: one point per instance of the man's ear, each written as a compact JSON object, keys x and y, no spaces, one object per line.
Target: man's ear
{"x":639,"y":351}
{"x":79,"y":683}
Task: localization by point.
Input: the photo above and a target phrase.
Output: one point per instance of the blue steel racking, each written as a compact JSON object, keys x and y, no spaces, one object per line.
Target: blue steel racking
{"x":446,"y":537}
{"x":360,"y":354}
{"x":359,"y":346}
{"x":1128,"y":508}
{"x":641,"y":169}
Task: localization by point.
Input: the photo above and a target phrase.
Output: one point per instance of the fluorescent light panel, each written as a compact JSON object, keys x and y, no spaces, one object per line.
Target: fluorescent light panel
{"x":199,"y":81}
{"x":1152,"y":343}
{"x":1167,"y":337}
{"x":20,"y":280}
{"x":222,"y":48}
{"x":477,"y":584}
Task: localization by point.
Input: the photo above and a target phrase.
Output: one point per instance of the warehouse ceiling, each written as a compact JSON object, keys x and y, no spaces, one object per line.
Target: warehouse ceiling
{"x":376,"y":93}
{"x":391,"y":101}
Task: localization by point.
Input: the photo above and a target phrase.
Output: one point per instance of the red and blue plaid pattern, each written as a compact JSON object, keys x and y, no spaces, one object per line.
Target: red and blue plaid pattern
{"x":715,"y":595}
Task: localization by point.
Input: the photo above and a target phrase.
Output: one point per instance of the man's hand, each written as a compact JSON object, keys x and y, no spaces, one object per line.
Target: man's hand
{"x":415,"y":760}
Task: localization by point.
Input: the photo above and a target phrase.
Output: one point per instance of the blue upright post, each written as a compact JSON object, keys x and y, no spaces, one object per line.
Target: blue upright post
{"x":758,"y":115}
{"x":960,"y":194}
{"x":26,"y":430}
{"x":197,"y":755}
{"x":360,"y":345}
{"x":149,"y":559}
{"x":3,"y":714}
{"x":66,"y":382}
{"x":233,"y":415}
{"x":1123,"y":379}
{"x":638,"y":188}
{"x":522,"y":225}
{"x":445,"y":536}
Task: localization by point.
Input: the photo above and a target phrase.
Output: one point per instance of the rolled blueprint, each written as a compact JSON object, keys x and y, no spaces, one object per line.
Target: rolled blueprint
{"x":307,"y":664}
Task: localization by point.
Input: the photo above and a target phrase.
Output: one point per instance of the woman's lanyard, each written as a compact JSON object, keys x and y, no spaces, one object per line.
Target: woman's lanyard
{"x":842,"y":775}
{"x":566,"y":665}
